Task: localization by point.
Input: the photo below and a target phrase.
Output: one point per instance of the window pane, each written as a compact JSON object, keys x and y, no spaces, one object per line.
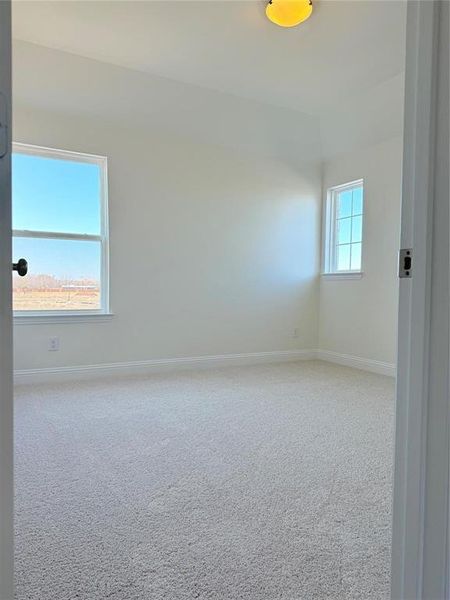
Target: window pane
{"x":62,"y":275}
{"x":344,"y":205}
{"x":344,"y":230}
{"x":356,"y":257}
{"x":357,"y":201}
{"x":343,"y":258}
{"x":357,"y":229}
{"x":57,"y":195}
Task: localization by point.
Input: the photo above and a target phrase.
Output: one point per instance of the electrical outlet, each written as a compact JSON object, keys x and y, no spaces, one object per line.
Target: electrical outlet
{"x":53,"y":344}
{"x":296,"y":333}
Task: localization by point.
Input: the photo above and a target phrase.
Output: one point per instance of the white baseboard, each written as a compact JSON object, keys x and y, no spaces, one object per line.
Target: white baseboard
{"x":356,"y":362}
{"x":55,"y":374}
{"x":84,"y":372}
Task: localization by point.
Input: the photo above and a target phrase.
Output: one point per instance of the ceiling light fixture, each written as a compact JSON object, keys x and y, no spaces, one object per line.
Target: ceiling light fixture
{"x":288,"y":13}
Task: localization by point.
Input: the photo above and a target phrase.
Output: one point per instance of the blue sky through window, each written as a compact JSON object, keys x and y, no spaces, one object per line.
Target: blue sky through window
{"x":62,"y":259}
{"x":57,"y":195}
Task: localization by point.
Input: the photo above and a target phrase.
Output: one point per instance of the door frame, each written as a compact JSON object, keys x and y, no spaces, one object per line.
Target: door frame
{"x":6,"y":345}
{"x":422,"y":458}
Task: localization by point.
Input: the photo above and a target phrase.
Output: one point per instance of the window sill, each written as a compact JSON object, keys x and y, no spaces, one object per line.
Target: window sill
{"x":343,"y":275}
{"x":61,"y":319}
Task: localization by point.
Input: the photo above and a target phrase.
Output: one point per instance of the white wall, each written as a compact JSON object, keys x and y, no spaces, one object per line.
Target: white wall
{"x":61,"y":82}
{"x":212,"y":251}
{"x":359,"y":317}
{"x":215,"y":209}
{"x":365,"y":119}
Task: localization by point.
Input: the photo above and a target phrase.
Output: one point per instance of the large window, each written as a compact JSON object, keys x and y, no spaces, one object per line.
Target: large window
{"x":60,"y":226}
{"x":344,"y":229}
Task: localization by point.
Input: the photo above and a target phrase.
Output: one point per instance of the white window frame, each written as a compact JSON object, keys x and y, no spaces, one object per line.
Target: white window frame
{"x":25,"y":316}
{"x":329,"y":268}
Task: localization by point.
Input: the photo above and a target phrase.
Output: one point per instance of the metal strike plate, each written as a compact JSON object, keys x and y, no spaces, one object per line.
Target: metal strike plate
{"x":405,"y":263}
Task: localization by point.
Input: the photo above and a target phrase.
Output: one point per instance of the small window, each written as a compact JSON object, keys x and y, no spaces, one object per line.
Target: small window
{"x":344,"y":229}
{"x":60,"y":226}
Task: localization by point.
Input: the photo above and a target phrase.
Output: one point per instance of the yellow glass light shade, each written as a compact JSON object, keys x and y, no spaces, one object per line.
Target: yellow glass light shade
{"x":289,"y":13}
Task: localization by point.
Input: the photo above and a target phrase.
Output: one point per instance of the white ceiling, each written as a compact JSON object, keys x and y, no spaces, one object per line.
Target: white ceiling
{"x":346,"y":48}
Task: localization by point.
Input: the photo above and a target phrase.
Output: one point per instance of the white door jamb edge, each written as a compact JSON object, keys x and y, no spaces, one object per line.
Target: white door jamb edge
{"x":6,"y":363}
{"x":422,"y":458}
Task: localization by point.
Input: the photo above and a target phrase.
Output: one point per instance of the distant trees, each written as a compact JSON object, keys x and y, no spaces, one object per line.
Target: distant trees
{"x":45,"y":282}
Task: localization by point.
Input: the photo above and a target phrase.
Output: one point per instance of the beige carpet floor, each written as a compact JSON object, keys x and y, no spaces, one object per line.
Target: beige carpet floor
{"x":270,"y":482}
